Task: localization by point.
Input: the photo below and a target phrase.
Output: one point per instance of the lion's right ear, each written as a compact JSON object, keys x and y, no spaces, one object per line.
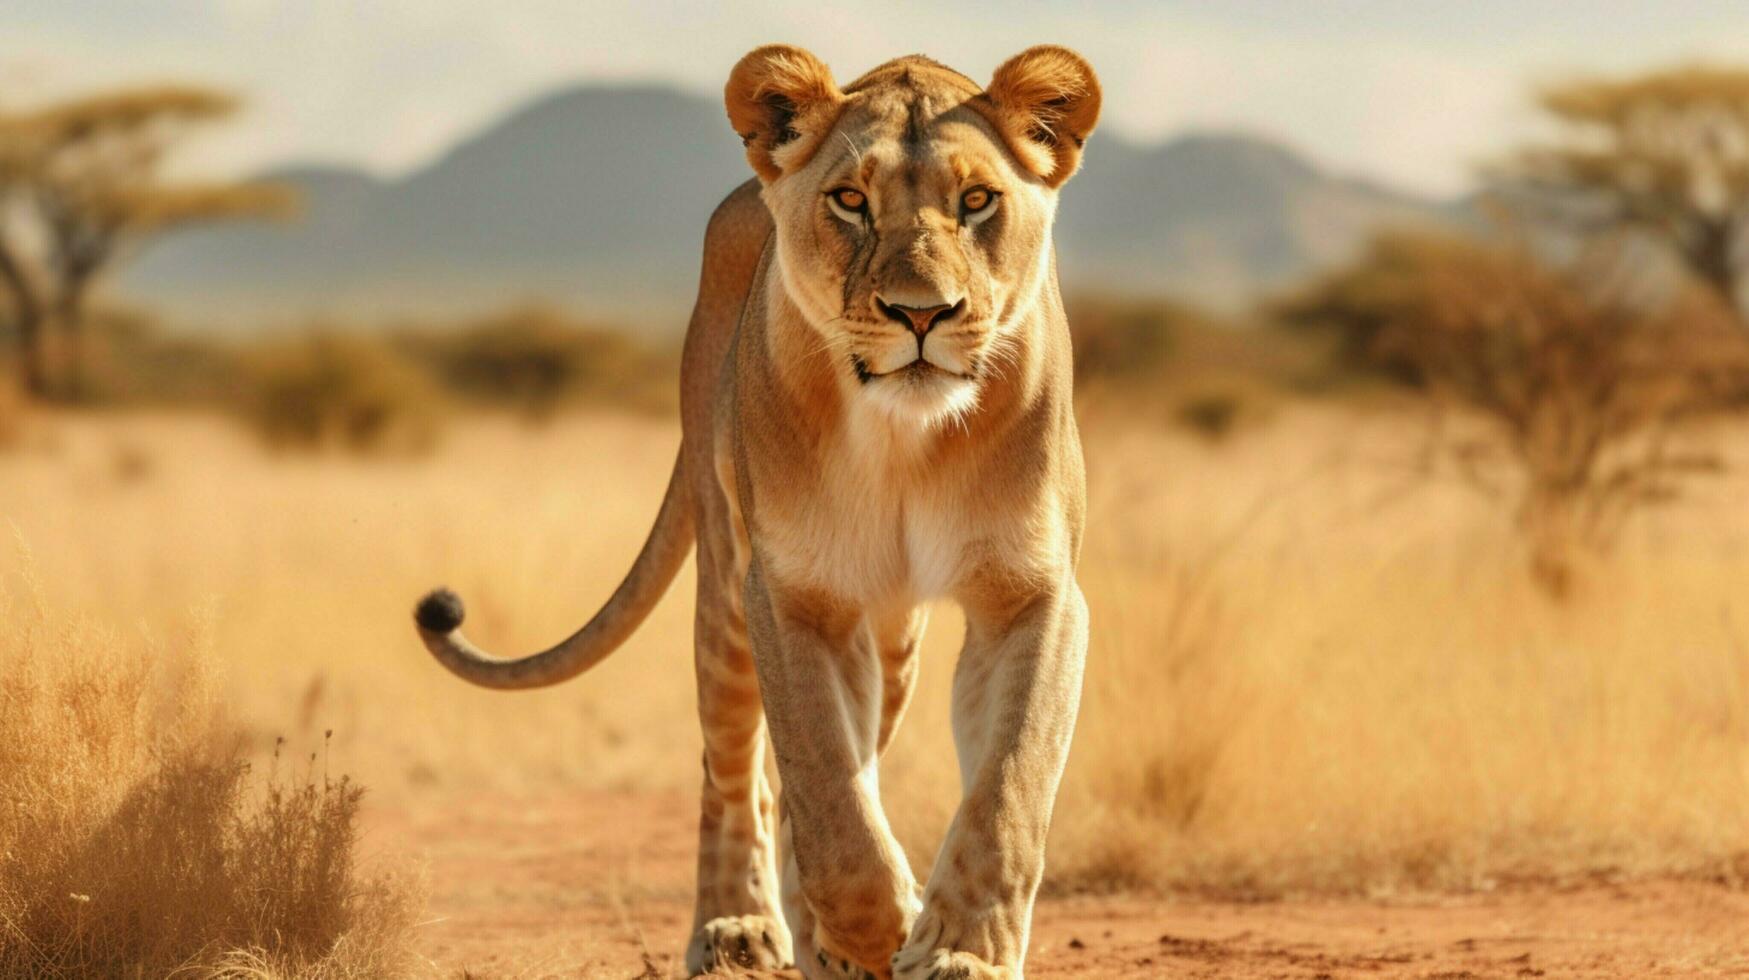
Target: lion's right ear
{"x":781,"y":101}
{"x":1047,"y":103}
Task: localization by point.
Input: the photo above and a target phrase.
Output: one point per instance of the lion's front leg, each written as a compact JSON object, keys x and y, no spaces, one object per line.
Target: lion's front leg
{"x":1016,"y":693}
{"x":821,"y":682}
{"x":737,"y":920}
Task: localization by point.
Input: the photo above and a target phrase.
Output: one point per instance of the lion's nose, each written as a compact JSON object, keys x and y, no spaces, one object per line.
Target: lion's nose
{"x":920,"y":319}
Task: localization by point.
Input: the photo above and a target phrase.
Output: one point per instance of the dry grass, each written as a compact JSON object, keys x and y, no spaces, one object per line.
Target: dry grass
{"x":133,"y":840}
{"x":1306,"y":673}
{"x":1305,"y":677}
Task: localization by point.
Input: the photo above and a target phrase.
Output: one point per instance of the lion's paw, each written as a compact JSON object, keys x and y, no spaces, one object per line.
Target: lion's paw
{"x":739,"y":942}
{"x":947,"y":964}
{"x":829,"y":967}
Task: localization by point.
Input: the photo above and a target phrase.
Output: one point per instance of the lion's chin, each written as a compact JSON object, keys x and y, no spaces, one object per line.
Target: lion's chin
{"x":921,"y":395}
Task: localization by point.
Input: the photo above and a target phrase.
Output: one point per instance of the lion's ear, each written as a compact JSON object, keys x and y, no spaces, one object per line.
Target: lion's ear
{"x":1047,"y":103}
{"x":781,"y":101}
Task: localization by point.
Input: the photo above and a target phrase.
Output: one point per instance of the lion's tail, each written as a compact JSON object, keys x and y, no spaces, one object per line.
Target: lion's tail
{"x":439,"y":615}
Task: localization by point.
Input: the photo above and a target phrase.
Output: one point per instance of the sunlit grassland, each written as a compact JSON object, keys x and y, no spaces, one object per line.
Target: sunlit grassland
{"x":1310,"y":669}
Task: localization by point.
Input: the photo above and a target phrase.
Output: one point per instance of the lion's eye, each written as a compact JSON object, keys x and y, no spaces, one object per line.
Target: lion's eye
{"x":849,"y":204}
{"x":977,"y":204}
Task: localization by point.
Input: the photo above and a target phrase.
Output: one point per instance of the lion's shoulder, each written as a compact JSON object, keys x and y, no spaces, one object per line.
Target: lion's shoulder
{"x":740,"y":222}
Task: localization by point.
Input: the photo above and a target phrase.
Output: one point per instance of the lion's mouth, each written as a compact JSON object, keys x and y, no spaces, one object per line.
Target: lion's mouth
{"x":915,"y":370}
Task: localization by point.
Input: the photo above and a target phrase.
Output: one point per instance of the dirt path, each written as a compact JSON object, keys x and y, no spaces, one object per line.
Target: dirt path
{"x":598,"y":885}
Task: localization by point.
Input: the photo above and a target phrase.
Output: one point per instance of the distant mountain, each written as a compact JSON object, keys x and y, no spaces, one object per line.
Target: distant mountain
{"x":597,"y":197}
{"x":1217,"y":218}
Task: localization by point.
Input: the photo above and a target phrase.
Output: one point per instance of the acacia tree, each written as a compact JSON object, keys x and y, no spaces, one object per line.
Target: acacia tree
{"x":81,"y":187}
{"x":1665,"y":153}
{"x":23,"y":293}
{"x":1583,"y":379}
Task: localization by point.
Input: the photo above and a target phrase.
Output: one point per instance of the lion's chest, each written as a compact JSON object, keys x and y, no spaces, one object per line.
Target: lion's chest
{"x":867,"y":536}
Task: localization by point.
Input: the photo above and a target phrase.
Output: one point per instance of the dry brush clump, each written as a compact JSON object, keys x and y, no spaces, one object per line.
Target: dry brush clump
{"x":535,"y":361}
{"x":346,"y":390}
{"x":135,"y":840}
{"x":132,"y":359}
{"x":1575,"y":389}
{"x":12,"y":412}
{"x":1187,"y":367}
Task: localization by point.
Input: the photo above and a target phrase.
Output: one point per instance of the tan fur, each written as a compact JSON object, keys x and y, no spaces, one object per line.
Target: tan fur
{"x":842,"y":468}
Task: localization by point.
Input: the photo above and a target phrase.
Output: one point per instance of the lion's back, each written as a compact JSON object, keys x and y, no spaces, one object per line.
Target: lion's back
{"x":734,"y":239}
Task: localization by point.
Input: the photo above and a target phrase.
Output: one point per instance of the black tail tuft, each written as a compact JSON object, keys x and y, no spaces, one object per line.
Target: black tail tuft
{"x":439,"y":612}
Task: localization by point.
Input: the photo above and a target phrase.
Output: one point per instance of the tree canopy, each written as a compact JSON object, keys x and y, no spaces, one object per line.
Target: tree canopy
{"x":1665,"y":153}
{"x":81,"y":186}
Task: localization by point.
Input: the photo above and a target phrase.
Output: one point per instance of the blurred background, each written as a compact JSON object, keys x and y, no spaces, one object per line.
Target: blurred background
{"x":1411,"y":359}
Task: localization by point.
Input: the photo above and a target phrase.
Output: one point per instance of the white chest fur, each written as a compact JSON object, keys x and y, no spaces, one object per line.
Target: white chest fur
{"x":876,"y":525}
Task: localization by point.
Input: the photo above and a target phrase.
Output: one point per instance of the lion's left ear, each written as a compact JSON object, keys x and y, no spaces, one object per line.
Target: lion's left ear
{"x":1046,"y":102}
{"x":781,"y":101}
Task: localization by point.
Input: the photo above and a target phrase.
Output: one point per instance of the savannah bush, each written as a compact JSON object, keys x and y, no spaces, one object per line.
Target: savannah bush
{"x":134,"y":359}
{"x":12,"y":410}
{"x":1192,"y":369}
{"x":537,"y":361}
{"x":1586,"y":380}
{"x":349,"y":391}
{"x":137,"y":841}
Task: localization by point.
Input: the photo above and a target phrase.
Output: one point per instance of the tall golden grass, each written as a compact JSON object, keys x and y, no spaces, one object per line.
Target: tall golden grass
{"x":136,"y":842}
{"x":1309,"y":670}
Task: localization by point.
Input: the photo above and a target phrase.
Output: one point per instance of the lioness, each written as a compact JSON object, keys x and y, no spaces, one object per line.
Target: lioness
{"x":876,"y":413}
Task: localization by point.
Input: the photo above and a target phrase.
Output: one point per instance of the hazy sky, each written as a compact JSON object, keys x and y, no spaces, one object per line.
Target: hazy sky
{"x":1409,"y":91}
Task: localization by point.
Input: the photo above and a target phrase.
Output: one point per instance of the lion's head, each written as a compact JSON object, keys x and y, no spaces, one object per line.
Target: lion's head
{"x":913,"y":209}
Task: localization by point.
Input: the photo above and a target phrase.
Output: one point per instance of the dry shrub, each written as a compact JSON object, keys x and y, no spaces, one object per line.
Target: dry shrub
{"x":1126,"y":341}
{"x":133,"y":359}
{"x":1582,"y":379}
{"x":1141,"y":346}
{"x":1218,"y":408}
{"x":536,"y":361}
{"x":349,"y":391}
{"x":12,"y":409}
{"x":134,"y":841}
{"x":1210,"y":375}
